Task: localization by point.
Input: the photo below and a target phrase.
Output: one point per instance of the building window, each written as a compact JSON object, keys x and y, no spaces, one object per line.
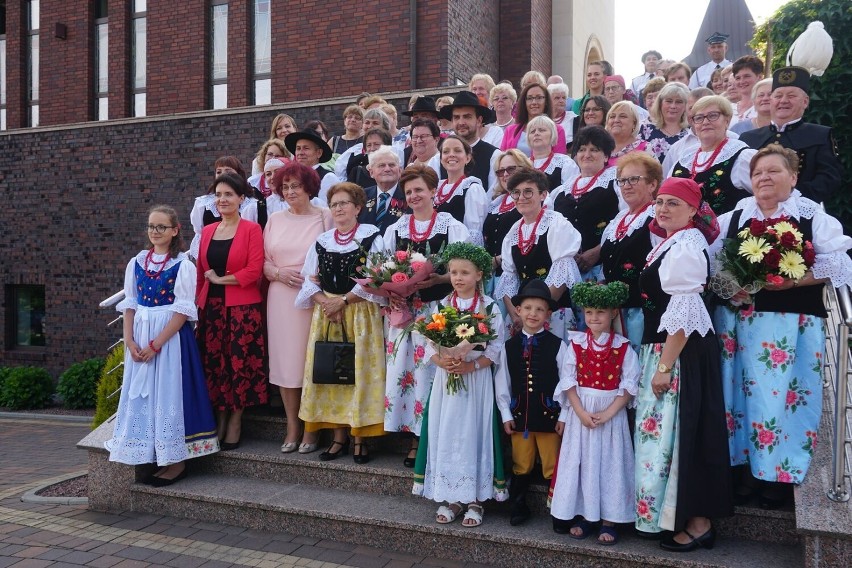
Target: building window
{"x":101,"y":61}
{"x":24,"y":316}
{"x":2,"y":65}
{"x":140,"y":57}
{"x":219,"y":53}
{"x":262,"y":52}
{"x":32,"y":60}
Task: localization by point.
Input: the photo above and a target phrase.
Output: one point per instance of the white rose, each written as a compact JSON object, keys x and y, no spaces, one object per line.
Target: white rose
{"x":389,"y":265}
{"x":417,"y":257}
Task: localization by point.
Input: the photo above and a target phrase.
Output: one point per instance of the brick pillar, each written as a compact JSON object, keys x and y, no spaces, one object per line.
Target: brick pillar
{"x":528,"y":24}
{"x":16,"y":65}
{"x":432,"y":40}
{"x":120,"y":59}
{"x":240,"y":53}
{"x":178,"y":76}
{"x":66,"y":77}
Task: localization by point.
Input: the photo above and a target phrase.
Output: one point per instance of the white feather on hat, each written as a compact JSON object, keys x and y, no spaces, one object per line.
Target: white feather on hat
{"x":812,"y":50}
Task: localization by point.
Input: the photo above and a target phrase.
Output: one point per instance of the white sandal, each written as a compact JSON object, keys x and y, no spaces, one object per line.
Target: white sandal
{"x":447,"y":512}
{"x":473,"y":515}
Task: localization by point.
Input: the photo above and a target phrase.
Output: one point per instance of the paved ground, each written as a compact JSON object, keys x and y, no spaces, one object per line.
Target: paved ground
{"x":35,"y":535}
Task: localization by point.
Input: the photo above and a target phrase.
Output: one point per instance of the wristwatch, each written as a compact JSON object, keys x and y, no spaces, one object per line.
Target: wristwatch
{"x":661,"y":368}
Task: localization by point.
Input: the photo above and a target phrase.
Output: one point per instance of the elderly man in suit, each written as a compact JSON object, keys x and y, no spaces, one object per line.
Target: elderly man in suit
{"x":820,"y":170}
{"x":385,"y":200}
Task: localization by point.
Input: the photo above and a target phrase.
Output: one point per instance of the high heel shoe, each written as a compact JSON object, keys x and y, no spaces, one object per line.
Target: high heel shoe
{"x":328,"y":455}
{"x":409,"y":459}
{"x":163,"y":482}
{"x":228,"y":446}
{"x":361,"y":457}
{"x":707,"y":540}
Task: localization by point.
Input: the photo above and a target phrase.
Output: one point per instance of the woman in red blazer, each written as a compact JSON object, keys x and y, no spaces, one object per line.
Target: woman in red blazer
{"x":231,"y":332}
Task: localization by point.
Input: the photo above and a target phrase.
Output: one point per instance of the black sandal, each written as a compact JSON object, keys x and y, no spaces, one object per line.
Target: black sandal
{"x":409,"y":461}
{"x":360,"y":457}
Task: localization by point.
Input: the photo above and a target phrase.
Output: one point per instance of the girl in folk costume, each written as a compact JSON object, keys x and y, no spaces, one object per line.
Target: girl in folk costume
{"x":164,"y":413}
{"x":459,"y":459}
{"x":603,"y":376}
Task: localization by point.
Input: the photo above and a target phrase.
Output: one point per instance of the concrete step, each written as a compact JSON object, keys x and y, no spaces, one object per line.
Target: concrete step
{"x":406,"y":524}
{"x":385,"y":475}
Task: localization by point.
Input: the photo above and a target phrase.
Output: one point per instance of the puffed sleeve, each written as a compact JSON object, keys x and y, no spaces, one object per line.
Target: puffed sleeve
{"x":389,"y":240}
{"x":830,"y":245}
{"x":569,"y":170}
{"x":343,"y":160}
{"x":249,"y":210}
{"x":563,"y":242}
{"x":631,"y":371}
{"x":185,"y":291}
{"x":566,"y":362}
{"x":502,"y":387}
{"x":552,"y":195}
{"x":328,"y":180}
{"x":740,"y":175}
{"x":304,"y":299}
{"x":196,"y":218}
{"x":494,"y":347}
{"x":683,"y":272}
{"x":129,"y":302}
{"x":360,"y":291}
{"x":509,"y":282}
{"x":250,"y":274}
{"x":475,"y":210}
{"x":457,"y":233}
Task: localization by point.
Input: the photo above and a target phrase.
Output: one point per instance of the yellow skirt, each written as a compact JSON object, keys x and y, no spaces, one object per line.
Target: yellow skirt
{"x":359,"y":406}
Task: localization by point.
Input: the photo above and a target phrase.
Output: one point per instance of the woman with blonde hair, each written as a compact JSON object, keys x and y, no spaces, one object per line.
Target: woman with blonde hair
{"x":282,"y":125}
{"x":668,"y":120}
{"x":502,"y":98}
{"x":622,"y":121}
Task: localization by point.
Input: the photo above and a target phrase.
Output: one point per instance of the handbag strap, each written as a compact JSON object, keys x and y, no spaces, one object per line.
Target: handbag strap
{"x":342,"y":325}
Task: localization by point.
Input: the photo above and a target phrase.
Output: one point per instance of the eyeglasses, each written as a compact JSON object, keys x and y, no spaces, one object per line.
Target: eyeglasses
{"x":506,"y":171}
{"x":526,"y":194}
{"x":339,"y":204}
{"x":592,"y":109}
{"x":159,"y":229}
{"x":421,"y":138}
{"x":536,"y":99}
{"x":632,"y":180}
{"x":291,"y":187}
{"x":709,"y":117}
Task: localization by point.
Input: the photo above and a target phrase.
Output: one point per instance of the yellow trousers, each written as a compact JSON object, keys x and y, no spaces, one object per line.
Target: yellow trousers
{"x":524,"y":452}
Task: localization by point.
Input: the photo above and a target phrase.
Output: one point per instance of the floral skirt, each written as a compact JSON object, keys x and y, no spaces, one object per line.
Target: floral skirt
{"x":773,"y":391}
{"x":232,"y":341}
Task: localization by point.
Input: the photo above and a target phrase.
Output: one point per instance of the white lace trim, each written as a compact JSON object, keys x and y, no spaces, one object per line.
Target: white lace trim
{"x":602,"y":182}
{"x":692,"y":238}
{"x":442,"y":223}
{"x":563,"y":271}
{"x":462,"y":187}
{"x":326,"y":239}
{"x":558,"y":161}
{"x":542,"y":228}
{"x":495,"y":204}
{"x":637,"y":222}
{"x":731,"y":148}
{"x":687,"y":313}
{"x":795,"y":206}
{"x":507,"y":285}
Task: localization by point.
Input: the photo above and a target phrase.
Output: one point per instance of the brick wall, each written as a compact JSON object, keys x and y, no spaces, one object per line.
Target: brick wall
{"x":541,"y":31}
{"x":76,"y":228}
{"x":240,"y":53}
{"x":474,"y":33}
{"x":16,"y":68}
{"x":525,"y":26}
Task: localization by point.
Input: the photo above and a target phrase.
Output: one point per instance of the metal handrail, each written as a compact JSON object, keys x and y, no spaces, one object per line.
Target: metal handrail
{"x":108,"y":303}
{"x":839,"y":491}
{"x":112,"y":300}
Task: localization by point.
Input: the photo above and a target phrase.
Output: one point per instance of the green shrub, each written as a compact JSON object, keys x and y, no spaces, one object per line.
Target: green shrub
{"x":26,"y":387}
{"x":4,"y":372}
{"x":108,"y":384}
{"x":78,"y":384}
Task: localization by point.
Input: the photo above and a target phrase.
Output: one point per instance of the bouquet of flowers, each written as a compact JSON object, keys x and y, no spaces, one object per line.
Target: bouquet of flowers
{"x":455,"y":333}
{"x":396,"y":274}
{"x":764,"y":252}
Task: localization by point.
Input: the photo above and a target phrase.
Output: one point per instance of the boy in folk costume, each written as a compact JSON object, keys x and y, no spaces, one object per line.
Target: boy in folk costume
{"x":601,"y":379}
{"x":535,"y":361}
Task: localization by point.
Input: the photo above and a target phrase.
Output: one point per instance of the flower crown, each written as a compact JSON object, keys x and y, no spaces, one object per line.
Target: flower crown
{"x":600,"y":296}
{"x":475,"y":254}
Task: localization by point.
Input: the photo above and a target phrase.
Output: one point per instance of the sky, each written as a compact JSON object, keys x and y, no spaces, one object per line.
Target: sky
{"x":632,"y":15}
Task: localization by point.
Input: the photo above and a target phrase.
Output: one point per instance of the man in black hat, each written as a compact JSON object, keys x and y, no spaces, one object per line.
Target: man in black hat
{"x":468,"y":116}
{"x":820,"y":170}
{"x":717,"y":47}
{"x":310,"y":150}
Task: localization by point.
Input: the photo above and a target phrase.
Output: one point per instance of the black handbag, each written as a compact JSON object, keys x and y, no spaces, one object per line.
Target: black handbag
{"x":334,"y":361}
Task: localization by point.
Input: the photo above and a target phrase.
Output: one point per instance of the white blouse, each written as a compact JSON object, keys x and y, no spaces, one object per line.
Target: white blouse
{"x":475,"y":205}
{"x":602,"y":182}
{"x":635,"y":223}
{"x":563,"y":242}
{"x":683,"y":272}
{"x":248,"y":211}
{"x":304,"y":299}
{"x":569,"y":166}
{"x":740,"y":176}
{"x":185,"y":283}
{"x":444,"y":224}
{"x":830,"y":244}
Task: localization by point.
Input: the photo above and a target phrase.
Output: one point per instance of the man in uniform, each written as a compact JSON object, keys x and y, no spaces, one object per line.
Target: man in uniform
{"x":820,"y":170}
{"x":717,"y":47}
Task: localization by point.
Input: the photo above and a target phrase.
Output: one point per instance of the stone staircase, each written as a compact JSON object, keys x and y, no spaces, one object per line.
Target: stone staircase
{"x":258,"y":487}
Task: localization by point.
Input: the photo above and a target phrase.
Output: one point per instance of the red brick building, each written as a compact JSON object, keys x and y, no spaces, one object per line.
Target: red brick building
{"x":67,"y":62}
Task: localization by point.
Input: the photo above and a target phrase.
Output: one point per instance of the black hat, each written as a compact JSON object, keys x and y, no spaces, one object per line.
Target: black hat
{"x":468,"y":99}
{"x":291,"y":139}
{"x":791,"y":77}
{"x":717,"y":37}
{"x":423,"y":104}
{"x":535,"y":289}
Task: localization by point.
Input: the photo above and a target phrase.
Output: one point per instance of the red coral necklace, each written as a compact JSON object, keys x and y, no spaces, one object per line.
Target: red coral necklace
{"x":412,"y":230}
{"x":344,"y":239}
{"x":526,"y":245}
{"x":149,"y":260}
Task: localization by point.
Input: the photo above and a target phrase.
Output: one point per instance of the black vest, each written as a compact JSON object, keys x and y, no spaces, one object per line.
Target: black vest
{"x":536,"y":264}
{"x":454,"y":206}
{"x":804,"y":300}
{"x":439,"y":240}
{"x":717,"y":189}
{"x":336,"y":269}
{"x":591,"y":213}
{"x":623,"y":260}
{"x":532,"y":404}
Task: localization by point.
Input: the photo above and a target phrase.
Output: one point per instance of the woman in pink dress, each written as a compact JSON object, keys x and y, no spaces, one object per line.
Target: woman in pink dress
{"x":287,"y":237}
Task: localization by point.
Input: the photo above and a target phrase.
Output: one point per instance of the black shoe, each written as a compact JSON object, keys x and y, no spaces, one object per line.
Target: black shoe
{"x":707,"y":540}
{"x":409,"y":461}
{"x":561,"y":526}
{"x":162,"y":482}
{"x":773,"y":495}
{"x":520,"y":511}
{"x":227,"y":446}
{"x":328,"y":455}
{"x":362,"y":457}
